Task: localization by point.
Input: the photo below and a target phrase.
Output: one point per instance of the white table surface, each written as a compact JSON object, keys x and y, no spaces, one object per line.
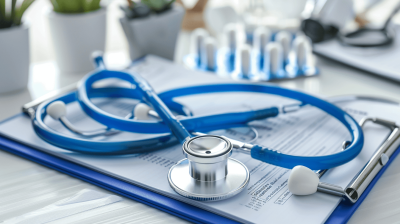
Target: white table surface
{"x":381,"y":206}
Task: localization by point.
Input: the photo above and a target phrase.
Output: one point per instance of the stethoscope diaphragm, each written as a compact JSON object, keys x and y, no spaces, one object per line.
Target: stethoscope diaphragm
{"x":207,"y":173}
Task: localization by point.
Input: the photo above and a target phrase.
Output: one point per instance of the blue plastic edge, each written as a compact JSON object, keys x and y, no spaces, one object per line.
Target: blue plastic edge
{"x":341,"y":214}
{"x":166,"y":204}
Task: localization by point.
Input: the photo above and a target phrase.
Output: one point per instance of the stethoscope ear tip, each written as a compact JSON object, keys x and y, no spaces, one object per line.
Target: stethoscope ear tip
{"x":96,"y":54}
{"x":56,"y":109}
{"x":302,"y":181}
{"x":141,"y":111}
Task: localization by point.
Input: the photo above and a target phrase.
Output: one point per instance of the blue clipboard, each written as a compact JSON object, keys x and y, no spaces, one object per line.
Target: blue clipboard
{"x":166,"y":204}
{"x":191,"y":213}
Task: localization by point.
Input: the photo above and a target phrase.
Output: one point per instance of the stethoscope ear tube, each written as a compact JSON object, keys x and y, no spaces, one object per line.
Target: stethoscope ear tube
{"x":314,"y":163}
{"x":84,"y":145}
{"x":196,"y":123}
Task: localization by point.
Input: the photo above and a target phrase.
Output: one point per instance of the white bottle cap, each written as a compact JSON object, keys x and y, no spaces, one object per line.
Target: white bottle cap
{"x":300,"y":47}
{"x":273,"y":57}
{"x":56,"y":110}
{"x":244,"y":53}
{"x":210,"y":48}
{"x":303,"y":181}
{"x":285,"y":39}
{"x":230,"y":33}
{"x":197,"y":40}
{"x":261,"y":37}
{"x":141,"y":111}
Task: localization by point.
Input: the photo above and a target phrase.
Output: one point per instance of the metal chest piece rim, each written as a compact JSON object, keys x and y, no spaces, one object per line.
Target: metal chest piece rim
{"x":207,"y":173}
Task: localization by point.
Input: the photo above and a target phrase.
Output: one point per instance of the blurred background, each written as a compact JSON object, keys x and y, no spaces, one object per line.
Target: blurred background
{"x":215,"y":14}
{"x":269,"y":10}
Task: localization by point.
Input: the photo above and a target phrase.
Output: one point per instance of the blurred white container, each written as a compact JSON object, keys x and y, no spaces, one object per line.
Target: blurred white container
{"x":14,"y":58}
{"x":156,"y":34}
{"x":75,"y":37}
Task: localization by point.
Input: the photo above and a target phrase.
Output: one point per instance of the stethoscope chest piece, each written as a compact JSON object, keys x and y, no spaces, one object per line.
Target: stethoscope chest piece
{"x":207,"y":173}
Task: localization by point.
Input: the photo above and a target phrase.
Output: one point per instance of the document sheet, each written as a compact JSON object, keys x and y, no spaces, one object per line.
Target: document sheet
{"x":307,"y":132}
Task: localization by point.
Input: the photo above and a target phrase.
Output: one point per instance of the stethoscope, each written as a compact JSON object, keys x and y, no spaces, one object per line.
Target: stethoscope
{"x":208,"y":173}
{"x":315,"y":28}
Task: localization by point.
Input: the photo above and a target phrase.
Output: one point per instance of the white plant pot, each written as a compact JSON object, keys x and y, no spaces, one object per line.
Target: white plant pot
{"x":155,"y":34}
{"x":14,"y":58}
{"x":75,"y":37}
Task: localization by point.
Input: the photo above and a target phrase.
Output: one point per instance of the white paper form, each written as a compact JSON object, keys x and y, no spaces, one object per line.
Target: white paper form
{"x":266,"y":199}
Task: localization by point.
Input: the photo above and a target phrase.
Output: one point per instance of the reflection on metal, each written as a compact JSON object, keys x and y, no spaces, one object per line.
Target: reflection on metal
{"x":357,"y":186}
{"x":208,"y":174}
{"x":330,"y":189}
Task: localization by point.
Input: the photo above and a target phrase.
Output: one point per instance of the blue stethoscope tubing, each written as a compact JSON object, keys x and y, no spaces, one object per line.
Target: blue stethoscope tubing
{"x":164,"y":100}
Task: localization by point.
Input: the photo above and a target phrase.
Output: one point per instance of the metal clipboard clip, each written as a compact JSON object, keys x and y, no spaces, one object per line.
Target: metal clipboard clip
{"x":360,"y":182}
{"x":357,"y":186}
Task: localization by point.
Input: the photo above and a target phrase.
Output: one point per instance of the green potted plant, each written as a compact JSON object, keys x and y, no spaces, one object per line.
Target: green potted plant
{"x":77,"y":27}
{"x":152,"y":27}
{"x":14,"y":46}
